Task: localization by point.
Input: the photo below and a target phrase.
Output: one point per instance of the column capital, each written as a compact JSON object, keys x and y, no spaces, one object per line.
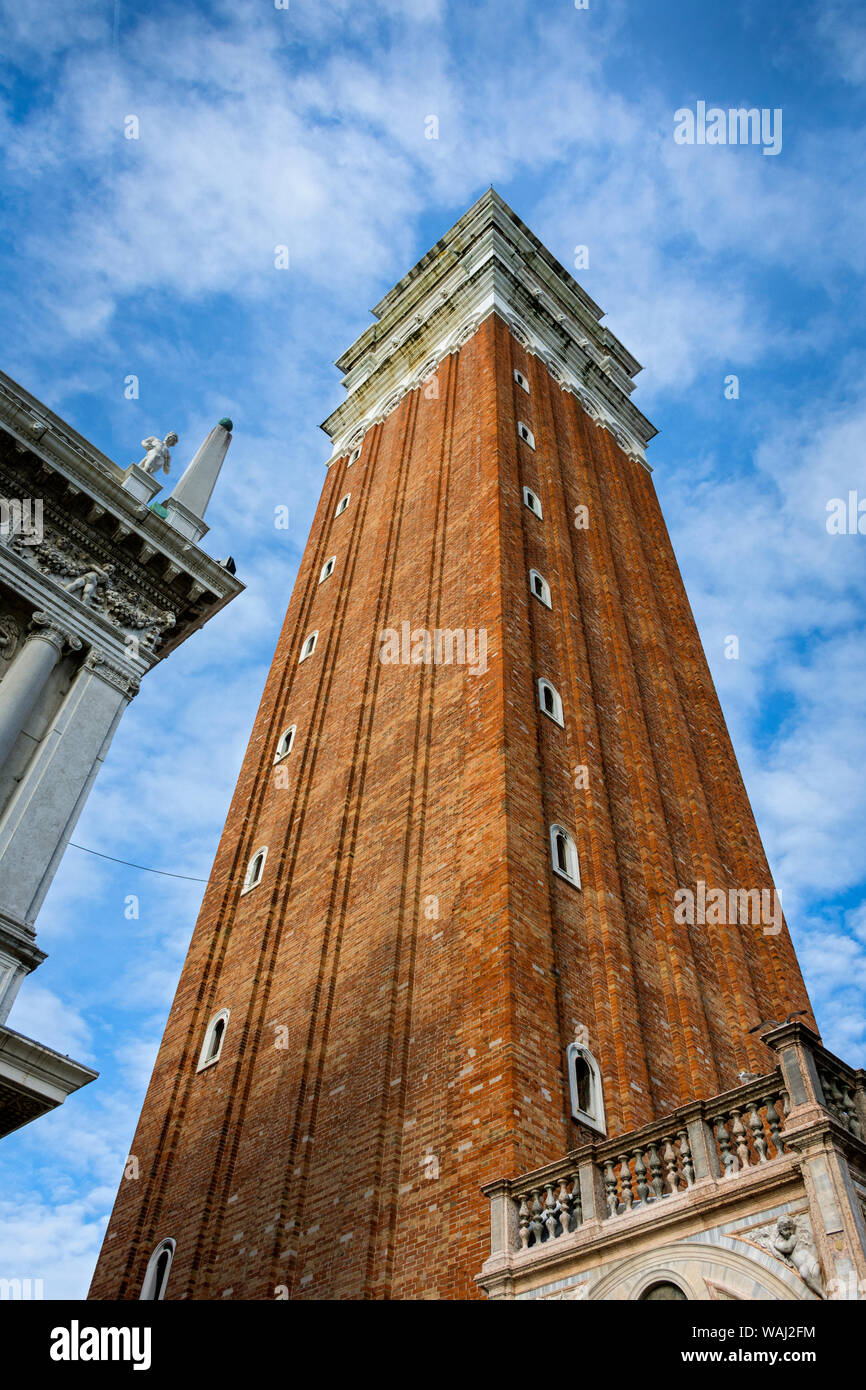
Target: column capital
{"x":44,"y":626}
{"x":99,"y":665}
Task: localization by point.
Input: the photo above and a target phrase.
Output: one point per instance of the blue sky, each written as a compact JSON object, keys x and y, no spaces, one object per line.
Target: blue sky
{"x":306,"y":127}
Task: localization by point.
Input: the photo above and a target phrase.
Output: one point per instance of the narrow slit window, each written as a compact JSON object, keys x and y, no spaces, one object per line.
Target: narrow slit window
{"x":309,"y":646}
{"x":216,"y":1040}
{"x":584,"y":1084}
{"x":284,"y":744}
{"x":213,"y":1040}
{"x":156,"y":1274}
{"x":255,"y":870}
{"x":521,"y":380}
{"x":342,"y":504}
{"x":354,"y":456}
{"x":532,"y":501}
{"x":564,"y":855}
{"x":550,"y":701}
{"x":327,"y":569}
{"x":526,"y":434}
{"x":540,"y":587}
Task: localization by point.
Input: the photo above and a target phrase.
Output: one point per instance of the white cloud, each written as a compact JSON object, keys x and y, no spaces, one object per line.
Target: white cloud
{"x":41,"y":1014}
{"x":55,"y":1242}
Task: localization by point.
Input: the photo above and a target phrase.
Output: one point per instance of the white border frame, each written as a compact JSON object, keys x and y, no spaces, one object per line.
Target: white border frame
{"x":574,"y":879}
{"x":594,"y":1121}
{"x":203,"y":1060}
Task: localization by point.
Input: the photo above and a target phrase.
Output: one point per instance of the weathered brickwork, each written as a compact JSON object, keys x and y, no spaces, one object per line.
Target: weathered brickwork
{"x":404,"y":981}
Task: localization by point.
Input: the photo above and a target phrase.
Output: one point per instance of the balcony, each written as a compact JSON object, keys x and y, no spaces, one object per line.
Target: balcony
{"x":787,"y":1145}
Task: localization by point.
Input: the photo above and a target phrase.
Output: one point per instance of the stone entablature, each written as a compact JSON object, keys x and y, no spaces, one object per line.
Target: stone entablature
{"x":489,"y":262}
{"x":756,"y":1193}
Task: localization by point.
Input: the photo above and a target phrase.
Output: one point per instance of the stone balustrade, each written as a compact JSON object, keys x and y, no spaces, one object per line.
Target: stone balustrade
{"x":749,"y":1131}
{"x":549,"y":1210}
{"x":844,"y":1091}
{"x":655,"y":1169}
{"x":608,"y":1179}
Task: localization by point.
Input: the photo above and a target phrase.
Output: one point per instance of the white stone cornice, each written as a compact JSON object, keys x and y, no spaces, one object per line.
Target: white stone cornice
{"x":488,"y":263}
{"x":83,"y":468}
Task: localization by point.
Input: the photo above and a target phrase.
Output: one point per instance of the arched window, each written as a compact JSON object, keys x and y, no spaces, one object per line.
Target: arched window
{"x":564,"y":854}
{"x":327,"y":569}
{"x":532,"y":502}
{"x":526,"y":434}
{"x":354,"y":456}
{"x":664,"y":1289}
{"x":521,"y":380}
{"x":540,"y":587}
{"x":309,"y":646}
{"x":342,"y":504}
{"x":584,"y":1085}
{"x":255,"y":869}
{"x":213,"y":1040}
{"x":156,"y":1274}
{"x":284,"y":746}
{"x":550,"y":700}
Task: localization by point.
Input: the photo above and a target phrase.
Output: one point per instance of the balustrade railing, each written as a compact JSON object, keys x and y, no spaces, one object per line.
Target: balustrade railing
{"x":751,"y":1132}
{"x":745,"y":1127}
{"x":651,"y":1172}
{"x":549,"y":1210}
{"x":840,"y":1085}
{"x":705,"y":1142}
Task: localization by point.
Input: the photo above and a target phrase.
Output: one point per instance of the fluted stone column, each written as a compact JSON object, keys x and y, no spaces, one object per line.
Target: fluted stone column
{"x":25,"y":680}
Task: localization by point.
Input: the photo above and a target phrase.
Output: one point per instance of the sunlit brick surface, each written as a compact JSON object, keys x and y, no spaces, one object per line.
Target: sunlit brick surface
{"x":422,"y":1055}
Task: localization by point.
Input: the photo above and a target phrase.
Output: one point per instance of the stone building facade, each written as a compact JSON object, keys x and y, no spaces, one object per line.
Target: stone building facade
{"x":96,"y":588}
{"x":443,"y":942}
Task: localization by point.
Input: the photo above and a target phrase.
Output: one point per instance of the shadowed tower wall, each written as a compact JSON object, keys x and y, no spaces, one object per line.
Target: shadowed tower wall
{"x":403,"y":983}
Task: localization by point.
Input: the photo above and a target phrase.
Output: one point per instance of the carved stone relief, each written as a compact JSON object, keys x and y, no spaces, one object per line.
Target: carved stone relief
{"x":98,"y":585}
{"x":10,"y":639}
{"x":789,"y":1240}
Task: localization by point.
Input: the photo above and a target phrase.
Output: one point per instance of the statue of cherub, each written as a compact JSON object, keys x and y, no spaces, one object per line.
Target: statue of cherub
{"x":89,"y":581}
{"x":786,"y":1243}
{"x":158,"y":453}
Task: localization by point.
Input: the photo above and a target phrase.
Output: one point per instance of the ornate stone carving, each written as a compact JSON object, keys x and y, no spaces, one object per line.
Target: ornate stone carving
{"x":88,"y":581}
{"x":46,"y":627}
{"x":554,"y":370}
{"x":97,"y":662}
{"x":466,"y":332}
{"x":518,"y":331}
{"x":10,"y":634}
{"x":793,"y":1244}
{"x":790,"y":1240}
{"x":158,"y":455}
{"x":98,"y":586}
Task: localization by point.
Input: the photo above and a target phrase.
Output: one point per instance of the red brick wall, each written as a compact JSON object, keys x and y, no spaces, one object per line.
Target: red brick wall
{"x":435,"y":1044}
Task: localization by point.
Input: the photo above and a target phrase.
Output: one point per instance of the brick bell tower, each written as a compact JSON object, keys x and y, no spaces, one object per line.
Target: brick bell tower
{"x":442,"y":939}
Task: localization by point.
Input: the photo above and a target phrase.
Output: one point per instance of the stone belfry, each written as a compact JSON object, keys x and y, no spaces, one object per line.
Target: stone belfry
{"x":444,"y":938}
